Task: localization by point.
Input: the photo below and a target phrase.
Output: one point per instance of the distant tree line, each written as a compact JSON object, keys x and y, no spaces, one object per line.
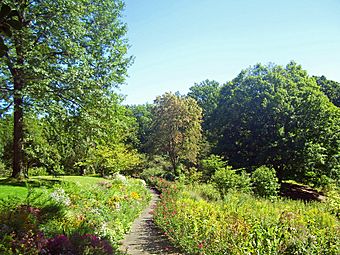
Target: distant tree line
{"x":268,"y":115}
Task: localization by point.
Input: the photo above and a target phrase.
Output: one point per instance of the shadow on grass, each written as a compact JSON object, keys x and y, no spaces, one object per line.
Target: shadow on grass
{"x":45,"y":182}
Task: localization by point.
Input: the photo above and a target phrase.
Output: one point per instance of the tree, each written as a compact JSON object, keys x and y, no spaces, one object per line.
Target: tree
{"x":275,"y":116}
{"x":330,"y":88}
{"x":96,"y":139}
{"x":176,"y":128}
{"x":206,"y":93}
{"x":68,"y":53}
{"x":143,"y":116}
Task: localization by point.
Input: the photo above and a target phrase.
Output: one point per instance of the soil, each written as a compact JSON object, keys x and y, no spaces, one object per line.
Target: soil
{"x":144,"y":237}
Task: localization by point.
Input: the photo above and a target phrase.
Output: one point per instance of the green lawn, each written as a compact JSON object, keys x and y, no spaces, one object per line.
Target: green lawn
{"x":9,"y":190}
{"x":10,"y":187}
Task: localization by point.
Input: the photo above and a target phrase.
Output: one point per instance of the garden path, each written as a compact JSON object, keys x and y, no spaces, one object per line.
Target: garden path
{"x":144,"y":237}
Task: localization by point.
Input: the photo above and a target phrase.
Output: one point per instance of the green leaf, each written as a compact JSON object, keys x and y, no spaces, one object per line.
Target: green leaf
{"x":5,"y":10}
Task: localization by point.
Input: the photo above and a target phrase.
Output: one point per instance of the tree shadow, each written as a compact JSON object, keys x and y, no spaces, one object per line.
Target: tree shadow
{"x":301,"y":192}
{"x":35,"y":183}
{"x":155,"y":242}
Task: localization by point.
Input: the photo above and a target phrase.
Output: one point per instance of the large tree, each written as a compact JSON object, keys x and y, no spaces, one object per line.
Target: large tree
{"x":67,"y":53}
{"x":278,"y":116}
{"x":206,"y":93}
{"x":143,"y":116}
{"x":176,"y":128}
{"x":330,"y":88}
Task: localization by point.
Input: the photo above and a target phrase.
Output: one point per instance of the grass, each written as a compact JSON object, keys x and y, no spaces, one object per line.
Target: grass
{"x":9,"y":191}
{"x":19,"y":188}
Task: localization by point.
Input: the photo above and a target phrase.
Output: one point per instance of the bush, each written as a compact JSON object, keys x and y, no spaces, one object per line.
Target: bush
{"x":226,"y":179}
{"x":4,"y":171}
{"x":265,"y":183}
{"x":211,"y":164}
{"x":37,"y":171}
{"x":155,"y":166}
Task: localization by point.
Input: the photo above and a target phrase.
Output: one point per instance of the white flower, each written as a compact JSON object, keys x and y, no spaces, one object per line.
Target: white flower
{"x":59,"y":196}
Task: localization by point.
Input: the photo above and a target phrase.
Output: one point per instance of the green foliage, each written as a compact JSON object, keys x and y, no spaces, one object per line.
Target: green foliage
{"x":37,"y":171}
{"x":156,"y":166}
{"x":68,"y":56}
{"x":143,"y":115}
{"x":211,"y":164}
{"x":206,"y":93}
{"x":176,"y":128}
{"x":330,"y":88}
{"x":265,"y":182}
{"x":226,"y":179}
{"x":273,"y":115}
{"x":207,"y":192}
{"x":107,"y":161}
{"x":243,"y":224}
{"x":10,"y":21}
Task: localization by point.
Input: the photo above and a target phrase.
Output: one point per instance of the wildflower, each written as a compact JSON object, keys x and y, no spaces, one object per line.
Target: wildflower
{"x":59,"y":195}
{"x":135,"y":195}
{"x":200,"y":245}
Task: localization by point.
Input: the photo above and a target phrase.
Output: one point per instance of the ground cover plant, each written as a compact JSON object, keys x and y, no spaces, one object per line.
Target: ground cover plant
{"x":244,"y":224}
{"x":75,"y":215}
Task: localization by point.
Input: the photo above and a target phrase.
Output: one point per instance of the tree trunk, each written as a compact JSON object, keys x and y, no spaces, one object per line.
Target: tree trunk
{"x":18,"y":82}
{"x":18,"y":129}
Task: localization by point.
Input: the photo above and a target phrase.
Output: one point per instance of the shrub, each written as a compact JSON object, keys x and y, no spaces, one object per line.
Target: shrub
{"x":78,"y":244}
{"x":37,"y":171}
{"x":265,"y":183}
{"x":4,"y":171}
{"x":226,"y":179}
{"x":211,"y":164}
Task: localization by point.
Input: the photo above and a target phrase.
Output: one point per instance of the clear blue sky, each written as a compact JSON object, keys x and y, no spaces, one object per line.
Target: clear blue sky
{"x":179,"y":42}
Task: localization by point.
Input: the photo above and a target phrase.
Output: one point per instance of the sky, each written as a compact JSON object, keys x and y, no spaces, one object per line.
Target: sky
{"x":177,"y":43}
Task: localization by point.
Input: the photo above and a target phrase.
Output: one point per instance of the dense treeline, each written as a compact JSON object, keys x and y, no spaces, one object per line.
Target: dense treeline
{"x":268,"y":115}
{"x":60,"y":114}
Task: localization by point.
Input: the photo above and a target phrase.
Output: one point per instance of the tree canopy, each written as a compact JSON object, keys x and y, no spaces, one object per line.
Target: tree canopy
{"x":176,"y":128}
{"x":67,"y":54}
{"x":273,"y":115}
{"x":330,"y":88}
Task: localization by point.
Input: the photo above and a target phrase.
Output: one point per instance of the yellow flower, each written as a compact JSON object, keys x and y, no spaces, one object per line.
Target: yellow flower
{"x":134,"y":195}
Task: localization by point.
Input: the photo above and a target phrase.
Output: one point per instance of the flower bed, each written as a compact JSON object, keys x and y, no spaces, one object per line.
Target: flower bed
{"x":71,"y":218}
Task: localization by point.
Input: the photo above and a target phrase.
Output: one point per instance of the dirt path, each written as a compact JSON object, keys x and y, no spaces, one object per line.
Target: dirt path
{"x":144,"y":237}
